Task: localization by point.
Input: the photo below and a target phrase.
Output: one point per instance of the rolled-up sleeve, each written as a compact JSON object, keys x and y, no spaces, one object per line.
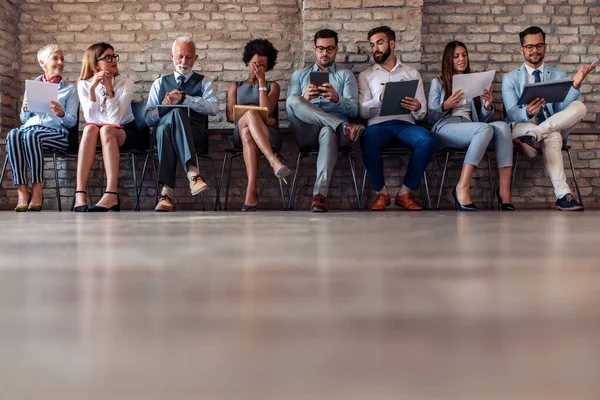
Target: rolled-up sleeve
{"x":208,"y":103}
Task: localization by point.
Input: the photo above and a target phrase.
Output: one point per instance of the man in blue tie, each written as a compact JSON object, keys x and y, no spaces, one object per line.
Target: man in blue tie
{"x":541,"y":124}
{"x":186,"y":99}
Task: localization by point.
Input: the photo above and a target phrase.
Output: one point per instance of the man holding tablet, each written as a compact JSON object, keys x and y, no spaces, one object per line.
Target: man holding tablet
{"x":318,"y":108}
{"x":541,"y":124}
{"x":385,"y":129}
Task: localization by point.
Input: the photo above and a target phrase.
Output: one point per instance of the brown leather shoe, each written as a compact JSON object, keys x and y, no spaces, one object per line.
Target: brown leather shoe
{"x":165,"y":204}
{"x":353,"y":131}
{"x":381,"y":202}
{"x":406,"y":201}
{"x":319,"y":203}
{"x":197,"y":185}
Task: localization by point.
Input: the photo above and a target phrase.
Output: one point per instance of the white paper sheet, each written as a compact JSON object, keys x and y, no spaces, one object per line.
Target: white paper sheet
{"x":473,"y":84}
{"x":39,"y":94}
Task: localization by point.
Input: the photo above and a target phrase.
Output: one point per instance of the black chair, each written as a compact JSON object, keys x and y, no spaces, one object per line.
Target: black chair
{"x":234,"y":152}
{"x":70,"y":154}
{"x":449,"y":152}
{"x":308,"y":146}
{"x":151,"y":155}
{"x":398,"y":151}
{"x":565,"y":148}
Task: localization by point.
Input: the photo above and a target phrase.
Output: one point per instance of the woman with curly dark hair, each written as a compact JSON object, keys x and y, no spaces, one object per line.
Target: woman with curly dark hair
{"x":250,"y":132}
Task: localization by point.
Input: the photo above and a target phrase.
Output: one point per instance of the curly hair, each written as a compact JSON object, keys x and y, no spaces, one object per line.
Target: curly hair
{"x":262,"y":47}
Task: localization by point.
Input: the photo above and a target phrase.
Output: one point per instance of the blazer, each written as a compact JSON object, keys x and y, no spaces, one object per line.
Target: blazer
{"x":438,"y":118}
{"x":513,"y":84}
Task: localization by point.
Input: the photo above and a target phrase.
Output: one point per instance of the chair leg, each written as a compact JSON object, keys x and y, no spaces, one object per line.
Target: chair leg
{"x":574,"y":176}
{"x":218,"y":200}
{"x":3,"y":171}
{"x":439,"y":199}
{"x":489,"y":165}
{"x":154,"y":169}
{"x":57,"y":188}
{"x":138,"y":195}
{"x":353,"y":171}
{"x":292,"y":200}
{"x":217,"y":183}
{"x":362,"y":188}
{"x":426,"y":190}
{"x":514,"y":174}
{"x":229,"y":168}
{"x":135,"y":181}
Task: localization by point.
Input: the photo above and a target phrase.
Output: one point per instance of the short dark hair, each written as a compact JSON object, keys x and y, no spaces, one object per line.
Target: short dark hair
{"x":532,"y":30}
{"x":262,"y":47}
{"x":391,"y":35}
{"x":326,"y":34}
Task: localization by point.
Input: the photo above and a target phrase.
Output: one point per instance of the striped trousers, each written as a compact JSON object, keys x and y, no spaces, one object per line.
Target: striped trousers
{"x":25,"y":148}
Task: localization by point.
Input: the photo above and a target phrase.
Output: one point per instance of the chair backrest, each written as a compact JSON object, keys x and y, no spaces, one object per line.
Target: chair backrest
{"x":73,"y":137}
{"x":139,"y":113}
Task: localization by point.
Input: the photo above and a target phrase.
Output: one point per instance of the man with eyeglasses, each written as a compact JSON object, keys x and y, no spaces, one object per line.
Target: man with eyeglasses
{"x":319,"y":114}
{"x":178,"y":106}
{"x":541,"y":124}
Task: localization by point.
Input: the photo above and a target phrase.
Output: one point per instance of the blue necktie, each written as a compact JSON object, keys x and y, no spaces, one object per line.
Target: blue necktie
{"x":541,"y":116}
{"x":181,"y":81}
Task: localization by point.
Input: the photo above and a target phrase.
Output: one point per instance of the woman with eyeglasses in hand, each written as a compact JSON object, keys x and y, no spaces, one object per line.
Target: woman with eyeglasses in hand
{"x":105,"y":97}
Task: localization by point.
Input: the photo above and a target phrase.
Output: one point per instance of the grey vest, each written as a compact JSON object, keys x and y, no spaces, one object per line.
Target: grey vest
{"x":191,"y":87}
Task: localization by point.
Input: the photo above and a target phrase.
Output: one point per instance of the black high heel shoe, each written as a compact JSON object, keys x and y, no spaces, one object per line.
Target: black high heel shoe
{"x":462,"y":207}
{"x":83,"y":208}
{"x":504,"y":206}
{"x":116,"y":207}
{"x":247,"y":208}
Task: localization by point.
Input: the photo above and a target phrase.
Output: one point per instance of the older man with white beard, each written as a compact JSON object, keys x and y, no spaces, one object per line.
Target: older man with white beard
{"x":180,"y":131}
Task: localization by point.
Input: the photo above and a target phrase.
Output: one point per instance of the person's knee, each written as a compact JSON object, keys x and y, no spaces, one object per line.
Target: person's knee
{"x":108,"y":133}
{"x":427,"y":141}
{"x":253,"y":116}
{"x":293,"y":101}
{"x":578,"y":108}
{"x":246,"y":137}
{"x":14,"y":134}
{"x":502,"y":130}
{"x":484,"y":130}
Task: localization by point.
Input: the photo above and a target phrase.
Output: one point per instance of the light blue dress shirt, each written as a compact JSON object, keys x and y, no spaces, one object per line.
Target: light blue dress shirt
{"x":67,"y":97}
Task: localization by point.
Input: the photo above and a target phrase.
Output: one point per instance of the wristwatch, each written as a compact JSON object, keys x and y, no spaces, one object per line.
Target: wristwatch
{"x":262,"y":89}
{"x":182,"y":98}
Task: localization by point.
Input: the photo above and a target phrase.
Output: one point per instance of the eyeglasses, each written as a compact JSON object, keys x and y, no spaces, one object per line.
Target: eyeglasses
{"x":329,"y":49}
{"x":109,"y":58}
{"x":539,"y":46}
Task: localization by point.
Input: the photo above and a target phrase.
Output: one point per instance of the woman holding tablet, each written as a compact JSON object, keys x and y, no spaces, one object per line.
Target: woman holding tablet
{"x":251,"y":133}
{"x":459,"y":123}
{"x":105,"y":97}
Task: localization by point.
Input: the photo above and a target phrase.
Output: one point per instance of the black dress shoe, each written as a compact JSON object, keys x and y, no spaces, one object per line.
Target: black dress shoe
{"x":116,"y":207}
{"x":83,"y":208}
{"x":462,"y":207}
{"x":504,"y":206}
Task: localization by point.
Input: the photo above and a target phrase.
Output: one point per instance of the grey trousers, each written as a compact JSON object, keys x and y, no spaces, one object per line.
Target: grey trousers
{"x":178,"y":137}
{"x":315,"y":129}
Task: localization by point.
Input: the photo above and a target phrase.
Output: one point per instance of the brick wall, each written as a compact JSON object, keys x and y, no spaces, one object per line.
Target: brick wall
{"x":142,"y":33}
{"x":9,"y":65}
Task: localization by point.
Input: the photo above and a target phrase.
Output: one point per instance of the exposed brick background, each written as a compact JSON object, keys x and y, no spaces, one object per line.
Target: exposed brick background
{"x":142,"y":32}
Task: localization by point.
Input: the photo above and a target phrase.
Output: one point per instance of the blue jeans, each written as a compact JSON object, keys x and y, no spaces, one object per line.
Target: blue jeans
{"x":379,"y":136}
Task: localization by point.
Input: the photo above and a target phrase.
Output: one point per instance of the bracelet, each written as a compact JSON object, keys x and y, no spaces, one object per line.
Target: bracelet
{"x":262,"y":89}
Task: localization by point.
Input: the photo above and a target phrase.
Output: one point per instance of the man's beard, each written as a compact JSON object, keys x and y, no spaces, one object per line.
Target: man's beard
{"x":381,"y":58}
{"x":326,"y":64}
{"x":182,"y":68}
{"x":540,"y":56}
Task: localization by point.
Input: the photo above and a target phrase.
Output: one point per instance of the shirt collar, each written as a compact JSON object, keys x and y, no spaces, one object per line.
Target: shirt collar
{"x":530,"y":69}
{"x":378,"y":66}
{"x":186,"y":76}
{"x":61,"y":84}
{"x":331,"y":69}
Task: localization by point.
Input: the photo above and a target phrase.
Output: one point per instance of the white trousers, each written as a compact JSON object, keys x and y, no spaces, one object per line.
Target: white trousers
{"x":549,"y":135}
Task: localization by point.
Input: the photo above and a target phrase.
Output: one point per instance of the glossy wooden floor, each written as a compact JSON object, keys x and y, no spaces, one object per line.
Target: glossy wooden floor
{"x":289,"y":306}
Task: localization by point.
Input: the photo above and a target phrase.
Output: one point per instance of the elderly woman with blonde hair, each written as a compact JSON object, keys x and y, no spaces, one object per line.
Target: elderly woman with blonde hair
{"x":41,"y":131}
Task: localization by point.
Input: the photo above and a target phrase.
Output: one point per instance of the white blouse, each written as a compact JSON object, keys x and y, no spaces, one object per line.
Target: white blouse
{"x":116,"y":110}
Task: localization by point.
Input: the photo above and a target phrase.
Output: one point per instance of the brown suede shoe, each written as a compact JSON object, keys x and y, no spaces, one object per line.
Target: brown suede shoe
{"x":197,"y":185}
{"x":165,"y":204}
{"x":381,"y":202}
{"x":353,"y":131}
{"x":406,"y":201}
{"x":319,"y":203}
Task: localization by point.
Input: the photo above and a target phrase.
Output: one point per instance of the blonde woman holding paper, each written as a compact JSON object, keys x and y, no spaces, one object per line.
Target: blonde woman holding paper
{"x":459,"y":123}
{"x":106,"y":104}
{"x":41,"y":131}
{"x":250,"y":132}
